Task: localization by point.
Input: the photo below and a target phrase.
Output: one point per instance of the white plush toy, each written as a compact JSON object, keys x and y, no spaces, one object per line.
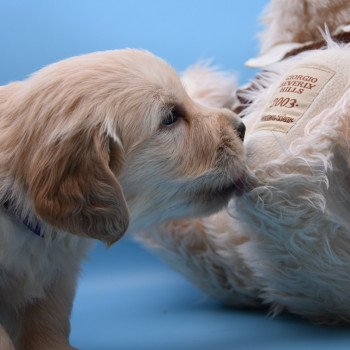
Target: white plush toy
{"x":286,"y":242}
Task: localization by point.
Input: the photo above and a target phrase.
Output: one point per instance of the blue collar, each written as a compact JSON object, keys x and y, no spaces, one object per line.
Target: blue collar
{"x":36,"y":229}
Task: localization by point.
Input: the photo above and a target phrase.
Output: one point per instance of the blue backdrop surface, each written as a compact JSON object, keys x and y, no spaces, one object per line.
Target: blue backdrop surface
{"x":35,"y":33}
{"x":127,"y":299}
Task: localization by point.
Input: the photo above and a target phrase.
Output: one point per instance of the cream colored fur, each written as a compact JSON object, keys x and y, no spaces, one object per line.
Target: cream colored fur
{"x":291,"y":24}
{"x":209,"y":86}
{"x":85,"y":152}
{"x":285,"y":244}
{"x":290,"y":21}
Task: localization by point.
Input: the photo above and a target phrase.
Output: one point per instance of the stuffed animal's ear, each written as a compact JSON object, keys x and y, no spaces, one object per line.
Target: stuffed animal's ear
{"x":73,"y":187}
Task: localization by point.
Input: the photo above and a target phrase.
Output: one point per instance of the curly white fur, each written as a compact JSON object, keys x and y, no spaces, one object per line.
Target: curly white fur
{"x":300,"y":223}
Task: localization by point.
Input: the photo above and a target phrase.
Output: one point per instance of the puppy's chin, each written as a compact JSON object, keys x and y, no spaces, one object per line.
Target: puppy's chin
{"x":209,"y":201}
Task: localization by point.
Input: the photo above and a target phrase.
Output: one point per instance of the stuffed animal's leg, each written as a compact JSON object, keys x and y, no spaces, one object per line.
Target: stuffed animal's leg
{"x":206,"y":251}
{"x":46,"y":321}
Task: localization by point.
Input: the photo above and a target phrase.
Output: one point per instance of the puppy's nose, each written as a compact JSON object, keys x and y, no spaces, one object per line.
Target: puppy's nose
{"x":241,"y":130}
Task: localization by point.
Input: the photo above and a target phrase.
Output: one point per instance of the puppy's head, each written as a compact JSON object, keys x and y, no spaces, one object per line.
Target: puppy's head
{"x":111,"y":140}
{"x":181,"y":158}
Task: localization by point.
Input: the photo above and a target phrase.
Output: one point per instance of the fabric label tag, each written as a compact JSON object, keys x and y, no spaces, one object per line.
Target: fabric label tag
{"x":293,"y":97}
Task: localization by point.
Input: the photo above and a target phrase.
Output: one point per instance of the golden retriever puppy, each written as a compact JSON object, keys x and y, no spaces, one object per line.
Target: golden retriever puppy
{"x":92,"y":147}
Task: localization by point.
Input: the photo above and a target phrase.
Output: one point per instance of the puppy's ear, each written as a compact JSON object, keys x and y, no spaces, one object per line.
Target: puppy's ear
{"x":73,"y":187}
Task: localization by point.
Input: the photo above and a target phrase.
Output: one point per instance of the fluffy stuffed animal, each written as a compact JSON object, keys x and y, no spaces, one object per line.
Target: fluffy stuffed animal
{"x":286,"y":242}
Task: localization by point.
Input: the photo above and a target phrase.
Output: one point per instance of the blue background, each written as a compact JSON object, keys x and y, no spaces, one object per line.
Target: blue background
{"x":127,"y":299}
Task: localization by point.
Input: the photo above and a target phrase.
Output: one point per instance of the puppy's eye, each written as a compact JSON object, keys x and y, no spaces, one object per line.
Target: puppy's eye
{"x":172,"y":117}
